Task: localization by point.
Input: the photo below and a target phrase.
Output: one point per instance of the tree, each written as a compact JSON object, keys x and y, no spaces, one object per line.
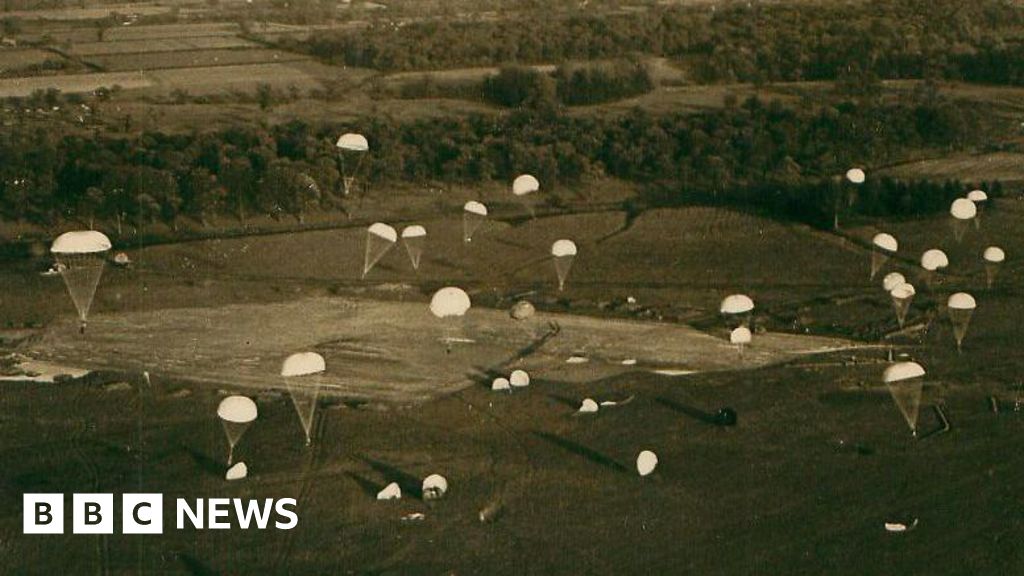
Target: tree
{"x":90,"y":203}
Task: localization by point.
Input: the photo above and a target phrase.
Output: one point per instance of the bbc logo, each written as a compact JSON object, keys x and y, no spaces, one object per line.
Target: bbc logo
{"x":93,"y":514}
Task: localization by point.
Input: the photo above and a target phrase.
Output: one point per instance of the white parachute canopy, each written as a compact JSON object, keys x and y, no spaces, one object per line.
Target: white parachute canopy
{"x":236,"y":413}
{"x":934,"y":259}
{"x":902,"y":296}
{"x":450,"y":302}
{"x":960,"y":307}
{"x":525,"y":184}
{"x":414,"y":237}
{"x":740,"y":336}
{"x":390,"y":492}
{"x":435,"y":487}
{"x":352,"y":148}
{"x":519,"y":378}
{"x":931,"y":261}
{"x":588,"y":406}
{"x":501,"y":384}
{"x":892,"y":280}
{"x":963,"y":211}
{"x":646,"y":462}
{"x":737,"y":305}
{"x":855,"y":175}
{"x":994,"y":257}
{"x":994,"y":254}
{"x":977,"y":196}
{"x":564,"y":253}
{"x":905,"y":382}
{"x":301,"y":374}
{"x":354,"y":142}
{"x":473,"y":215}
{"x":379,"y":239}
{"x":80,"y":259}
{"x":522,"y":310}
{"x":882,"y":247}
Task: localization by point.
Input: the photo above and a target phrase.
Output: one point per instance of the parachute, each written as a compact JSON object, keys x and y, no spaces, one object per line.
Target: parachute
{"x":960,"y":307}
{"x":352,"y":148}
{"x":236,"y":414}
{"x":435,"y":487}
{"x":963,"y":211}
{"x":905,"y":382}
{"x":473,"y":215}
{"x":302,"y":375}
{"x":523,"y":187}
{"x":379,"y":239}
{"x":737,"y":308}
{"x":80,"y":260}
{"x":237,"y":472}
{"x":979,"y":197}
{"x":646,"y":462}
{"x":589,"y":406}
{"x":450,"y":304}
{"x":855,"y":175}
{"x":740,"y":336}
{"x":892,"y":280}
{"x":994,"y":257}
{"x":737,"y":304}
{"x":522,"y":310}
{"x":564,"y":253}
{"x":902,"y":296}
{"x":501,"y":385}
{"x":931,"y":261}
{"x":413,"y":237}
{"x":390,"y":492}
{"x":519,"y":378}
{"x":882,"y":247}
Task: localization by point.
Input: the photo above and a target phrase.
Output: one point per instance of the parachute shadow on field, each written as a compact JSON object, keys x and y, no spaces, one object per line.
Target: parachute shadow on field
{"x":195,"y":567}
{"x":484,"y":376}
{"x":582,"y":451}
{"x":368,"y":486}
{"x":695,"y":413}
{"x":565,"y":400}
{"x":209,"y":465}
{"x":407,"y":482}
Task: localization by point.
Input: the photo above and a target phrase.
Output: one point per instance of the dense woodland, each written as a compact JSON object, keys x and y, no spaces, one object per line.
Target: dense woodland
{"x":762,"y":154}
{"x":763,"y":42}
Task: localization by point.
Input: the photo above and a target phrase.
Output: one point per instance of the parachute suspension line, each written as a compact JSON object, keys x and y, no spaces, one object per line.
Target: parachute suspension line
{"x":81,"y":274}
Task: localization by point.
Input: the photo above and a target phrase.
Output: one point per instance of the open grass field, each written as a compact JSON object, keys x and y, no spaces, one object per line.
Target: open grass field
{"x":170,"y":44}
{"x":819,"y":461}
{"x":190,"y":59}
{"x":72,"y":83}
{"x":1005,"y":166}
{"x":22,"y":58}
{"x":90,"y":12}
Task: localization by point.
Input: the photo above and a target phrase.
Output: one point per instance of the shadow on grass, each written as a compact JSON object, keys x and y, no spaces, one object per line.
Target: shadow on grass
{"x":582,"y":451}
{"x":407,"y":482}
{"x":195,"y":567}
{"x":565,"y":401}
{"x":206,"y":463}
{"x":368,"y":486}
{"x":695,"y":413}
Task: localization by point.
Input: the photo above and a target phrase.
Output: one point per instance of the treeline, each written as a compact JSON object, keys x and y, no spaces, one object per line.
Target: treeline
{"x":823,"y":202}
{"x":570,"y":85}
{"x":291,"y":169}
{"x":893,"y":39}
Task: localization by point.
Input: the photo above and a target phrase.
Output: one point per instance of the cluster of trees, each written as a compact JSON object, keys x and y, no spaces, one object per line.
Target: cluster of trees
{"x":293,"y":168}
{"x":824,"y":202}
{"x":752,"y":43}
